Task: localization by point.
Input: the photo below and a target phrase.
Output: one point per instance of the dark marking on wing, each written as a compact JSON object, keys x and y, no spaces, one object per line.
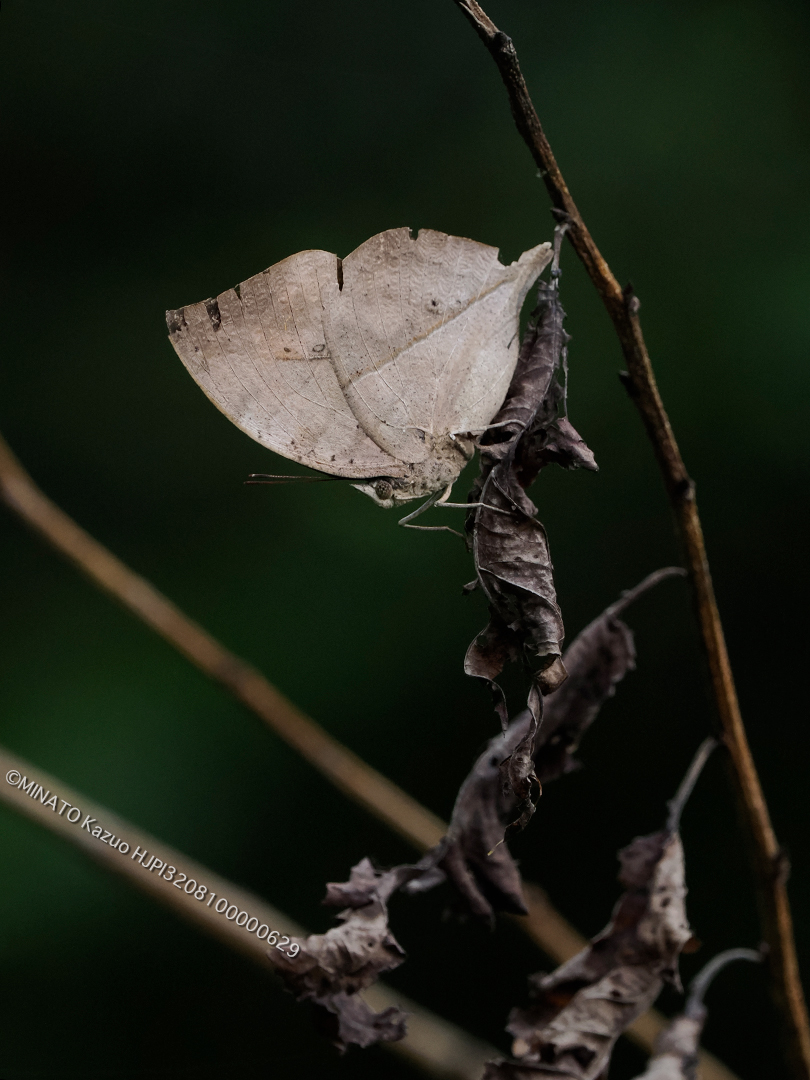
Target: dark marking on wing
{"x":176,"y":321}
{"x":212,"y":307}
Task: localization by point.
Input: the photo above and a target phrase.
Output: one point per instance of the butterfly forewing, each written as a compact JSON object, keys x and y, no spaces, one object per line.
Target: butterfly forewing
{"x":262,"y":359}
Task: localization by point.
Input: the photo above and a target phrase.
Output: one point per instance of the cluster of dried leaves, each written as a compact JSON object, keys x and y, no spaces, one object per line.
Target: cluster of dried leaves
{"x":472,"y":855}
{"x":332,"y":968}
{"x":578,"y":1011}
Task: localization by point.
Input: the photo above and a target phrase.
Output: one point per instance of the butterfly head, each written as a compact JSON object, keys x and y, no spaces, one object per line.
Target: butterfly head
{"x":385,"y":492}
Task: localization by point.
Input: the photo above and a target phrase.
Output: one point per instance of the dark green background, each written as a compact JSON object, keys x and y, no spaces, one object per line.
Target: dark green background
{"x":154,"y":154}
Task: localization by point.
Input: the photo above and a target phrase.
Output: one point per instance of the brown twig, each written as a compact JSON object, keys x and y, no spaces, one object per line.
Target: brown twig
{"x":623,"y":307}
{"x":438,"y":1047}
{"x":544,"y":924}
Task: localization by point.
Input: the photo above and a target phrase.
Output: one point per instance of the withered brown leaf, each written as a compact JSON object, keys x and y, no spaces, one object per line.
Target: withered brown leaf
{"x":579,"y":1010}
{"x":596,"y":661}
{"x":471,"y":855}
{"x":509,"y":544}
{"x":513,"y":564}
{"x":478,"y":865}
{"x":331,"y":968}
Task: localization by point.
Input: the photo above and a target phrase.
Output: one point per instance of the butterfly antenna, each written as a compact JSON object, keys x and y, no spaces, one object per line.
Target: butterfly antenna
{"x":273,"y":478}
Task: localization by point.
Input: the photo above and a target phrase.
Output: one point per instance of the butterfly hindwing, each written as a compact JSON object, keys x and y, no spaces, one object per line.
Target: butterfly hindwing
{"x":423,"y":334}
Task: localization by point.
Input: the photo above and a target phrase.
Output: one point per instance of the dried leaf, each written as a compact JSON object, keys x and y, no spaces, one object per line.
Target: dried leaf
{"x":513,"y":564}
{"x":346,"y":1020}
{"x":509,"y":545}
{"x":477,"y":864}
{"x":331,"y":968}
{"x":676,"y":1049}
{"x":531,"y":403}
{"x":579,"y":1011}
{"x":518,"y":769}
{"x":471,"y":855}
{"x":596,"y":661}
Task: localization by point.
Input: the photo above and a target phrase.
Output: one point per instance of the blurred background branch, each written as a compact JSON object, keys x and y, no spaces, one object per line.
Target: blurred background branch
{"x":437,"y":1047}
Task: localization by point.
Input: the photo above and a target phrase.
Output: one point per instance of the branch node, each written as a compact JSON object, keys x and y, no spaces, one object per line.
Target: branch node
{"x":780,"y":866}
{"x":504,"y":44}
{"x":626,"y":379}
{"x":631,"y":301}
{"x":685,"y":488}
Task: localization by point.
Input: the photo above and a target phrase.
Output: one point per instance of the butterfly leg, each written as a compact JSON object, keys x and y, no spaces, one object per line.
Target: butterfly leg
{"x":442,"y":501}
{"x":434,"y":500}
{"x":472,"y":505}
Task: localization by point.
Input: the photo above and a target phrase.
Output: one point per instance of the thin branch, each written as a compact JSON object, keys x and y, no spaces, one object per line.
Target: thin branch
{"x":382,"y":798}
{"x":629,"y":596}
{"x":623,"y":307}
{"x":704,"y":978}
{"x":435,"y":1045}
{"x":687,"y":785}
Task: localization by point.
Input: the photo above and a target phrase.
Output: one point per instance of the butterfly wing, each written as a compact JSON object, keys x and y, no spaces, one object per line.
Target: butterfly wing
{"x":260,"y":354}
{"x":423,"y":334}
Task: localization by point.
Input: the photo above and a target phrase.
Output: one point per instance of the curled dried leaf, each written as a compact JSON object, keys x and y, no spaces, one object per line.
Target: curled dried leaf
{"x":509,"y":544}
{"x":472,"y":856}
{"x":331,"y":968}
{"x":513,"y":564}
{"x":596,"y":661}
{"x":579,"y":1011}
{"x":518,"y":770}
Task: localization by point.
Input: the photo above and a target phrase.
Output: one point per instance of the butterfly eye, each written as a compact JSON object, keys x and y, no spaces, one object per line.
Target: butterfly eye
{"x":383,"y":490}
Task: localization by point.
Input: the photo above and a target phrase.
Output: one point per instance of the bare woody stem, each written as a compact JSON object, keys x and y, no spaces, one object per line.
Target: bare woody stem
{"x":704,"y":978}
{"x":348,"y":772}
{"x":639,"y":380}
{"x":687,"y":785}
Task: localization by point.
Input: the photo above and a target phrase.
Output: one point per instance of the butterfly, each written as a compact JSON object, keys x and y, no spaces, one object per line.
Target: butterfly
{"x":381,"y":368}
